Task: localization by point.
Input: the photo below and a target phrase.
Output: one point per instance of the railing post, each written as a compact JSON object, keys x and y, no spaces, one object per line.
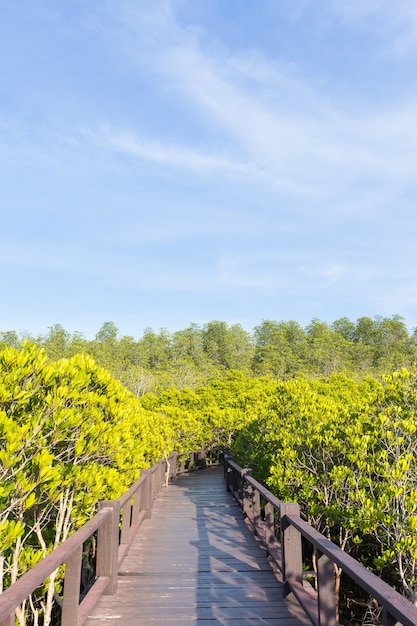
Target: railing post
{"x":72,"y":582}
{"x":201,"y":458}
{"x":161,"y":474}
{"x":145,"y":498}
{"x":225,"y":466}
{"x":292,"y":560}
{"x":241,"y":484}
{"x":245,"y":491}
{"x":269,"y":523}
{"x":236,"y":484}
{"x":173,"y":468}
{"x":256,"y":507}
{"x":108,"y":546}
{"x":326,"y":590}
{"x":387,"y":618}
{"x":229,"y":475}
{"x":155,"y":479}
{"x":126,"y":517}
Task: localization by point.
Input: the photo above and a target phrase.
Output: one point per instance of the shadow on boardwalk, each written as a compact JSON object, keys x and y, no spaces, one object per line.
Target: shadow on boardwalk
{"x":196,"y":562}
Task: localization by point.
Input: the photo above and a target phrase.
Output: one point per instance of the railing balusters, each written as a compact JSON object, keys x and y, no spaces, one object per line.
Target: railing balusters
{"x":137,"y":503}
{"x":292,"y":561}
{"x":269,"y":523}
{"x":256,"y":504}
{"x":107,"y":545}
{"x":320,"y":607}
{"x":388,"y":619}
{"x":126,"y":522}
{"x":326,"y":590}
{"x":72,"y":588}
{"x":243,"y":487}
{"x":131,"y":508}
{"x":146,"y":494}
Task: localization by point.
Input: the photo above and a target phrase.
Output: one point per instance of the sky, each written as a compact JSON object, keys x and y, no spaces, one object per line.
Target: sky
{"x":168,"y":162}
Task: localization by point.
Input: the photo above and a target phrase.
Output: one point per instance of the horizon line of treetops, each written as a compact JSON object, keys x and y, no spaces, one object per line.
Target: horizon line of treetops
{"x":198,"y":355}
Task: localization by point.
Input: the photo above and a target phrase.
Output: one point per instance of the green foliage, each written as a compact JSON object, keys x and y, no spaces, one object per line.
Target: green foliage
{"x":70,"y":436}
{"x":346,"y":451}
{"x":198,"y":355}
{"x":314,"y":412}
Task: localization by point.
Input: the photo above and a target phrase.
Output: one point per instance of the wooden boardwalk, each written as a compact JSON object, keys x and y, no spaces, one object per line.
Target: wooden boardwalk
{"x":196,"y":562}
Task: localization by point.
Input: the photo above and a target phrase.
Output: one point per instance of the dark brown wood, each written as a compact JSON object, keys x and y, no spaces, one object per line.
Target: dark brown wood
{"x":269,"y":524}
{"x":196,"y":562}
{"x":387,"y":619}
{"x":242,"y":485}
{"x":145,"y":497}
{"x":292,"y":562}
{"x":22,"y":588}
{"x":126,"y":520}
{"x":307,"y":598}
{"x":256,"y":503}
{"x":72,"y":588}
{"x":326,"y":590}
{"x":395,"y":605}
{"x":8,"y":621}
{"x":108,"y":545}
{"x":90,"y":600}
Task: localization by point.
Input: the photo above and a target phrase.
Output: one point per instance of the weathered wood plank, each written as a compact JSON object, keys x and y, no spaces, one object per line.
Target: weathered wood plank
{"x":196,"y":562}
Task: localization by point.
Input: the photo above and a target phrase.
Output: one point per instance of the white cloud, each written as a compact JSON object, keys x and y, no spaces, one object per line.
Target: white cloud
{"x":285,"y":132}
{"x":396,"y":22}
{"x":126,"y":142}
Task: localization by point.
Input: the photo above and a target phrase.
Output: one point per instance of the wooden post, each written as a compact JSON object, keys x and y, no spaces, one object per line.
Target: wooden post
{"x":292,"y":560}
{"x":161,"y":474}
{"x":126,"y":518}
{"x":137,"y":503}
{"x":72,"y":588}
{"x":174,"y":461}
{"x":236,"y":483}
{"x":256,"y":507}
{"x":326,"y":590}
{"x":245,"y":491}
{"x":155,"y":479}
{"x":269,"y":524}
{"x":8,"y":621}
{"x":145,"y":501}
{"x":108,"y":545}
{"x":387,"y":618}
{"x":201,"y":458}
{"x":227,"y":472}
{"x":225,"y":466}
{"x":239,"y":484}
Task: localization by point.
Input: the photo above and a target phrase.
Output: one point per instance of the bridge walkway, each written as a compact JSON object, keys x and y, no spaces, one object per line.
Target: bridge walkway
{"x":195,"y":561}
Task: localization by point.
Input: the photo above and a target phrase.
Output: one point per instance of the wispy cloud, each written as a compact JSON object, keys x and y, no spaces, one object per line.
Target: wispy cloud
{"x":285,"y":131}
{"x":396,"y":22}
{"x":128,"y":143}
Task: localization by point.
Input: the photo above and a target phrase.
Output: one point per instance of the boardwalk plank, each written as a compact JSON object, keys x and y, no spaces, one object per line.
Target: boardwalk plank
{"x":196,"y":562}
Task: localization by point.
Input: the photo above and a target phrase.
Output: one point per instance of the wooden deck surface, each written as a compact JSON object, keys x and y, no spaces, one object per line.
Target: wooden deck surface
{"x":196,"y":562}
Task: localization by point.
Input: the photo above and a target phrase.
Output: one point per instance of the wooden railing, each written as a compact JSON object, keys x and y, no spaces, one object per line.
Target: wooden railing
{"x":262,"y":509}
{"x":115,"y":523}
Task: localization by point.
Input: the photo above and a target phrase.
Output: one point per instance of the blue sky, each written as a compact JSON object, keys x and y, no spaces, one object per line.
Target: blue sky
{"x":164,"y":162}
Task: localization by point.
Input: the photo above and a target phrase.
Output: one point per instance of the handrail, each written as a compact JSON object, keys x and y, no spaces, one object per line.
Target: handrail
{"x":320,"y":607}
{"x":115,"y":523}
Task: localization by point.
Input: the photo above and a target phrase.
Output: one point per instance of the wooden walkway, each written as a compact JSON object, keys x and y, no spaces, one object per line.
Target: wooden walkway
{"x":196,"y":562}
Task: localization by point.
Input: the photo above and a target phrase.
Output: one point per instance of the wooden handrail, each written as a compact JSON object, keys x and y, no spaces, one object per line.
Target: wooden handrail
{"x":321,"y":606}
{"x":21,"y":589}
{"x":127,"y":514}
